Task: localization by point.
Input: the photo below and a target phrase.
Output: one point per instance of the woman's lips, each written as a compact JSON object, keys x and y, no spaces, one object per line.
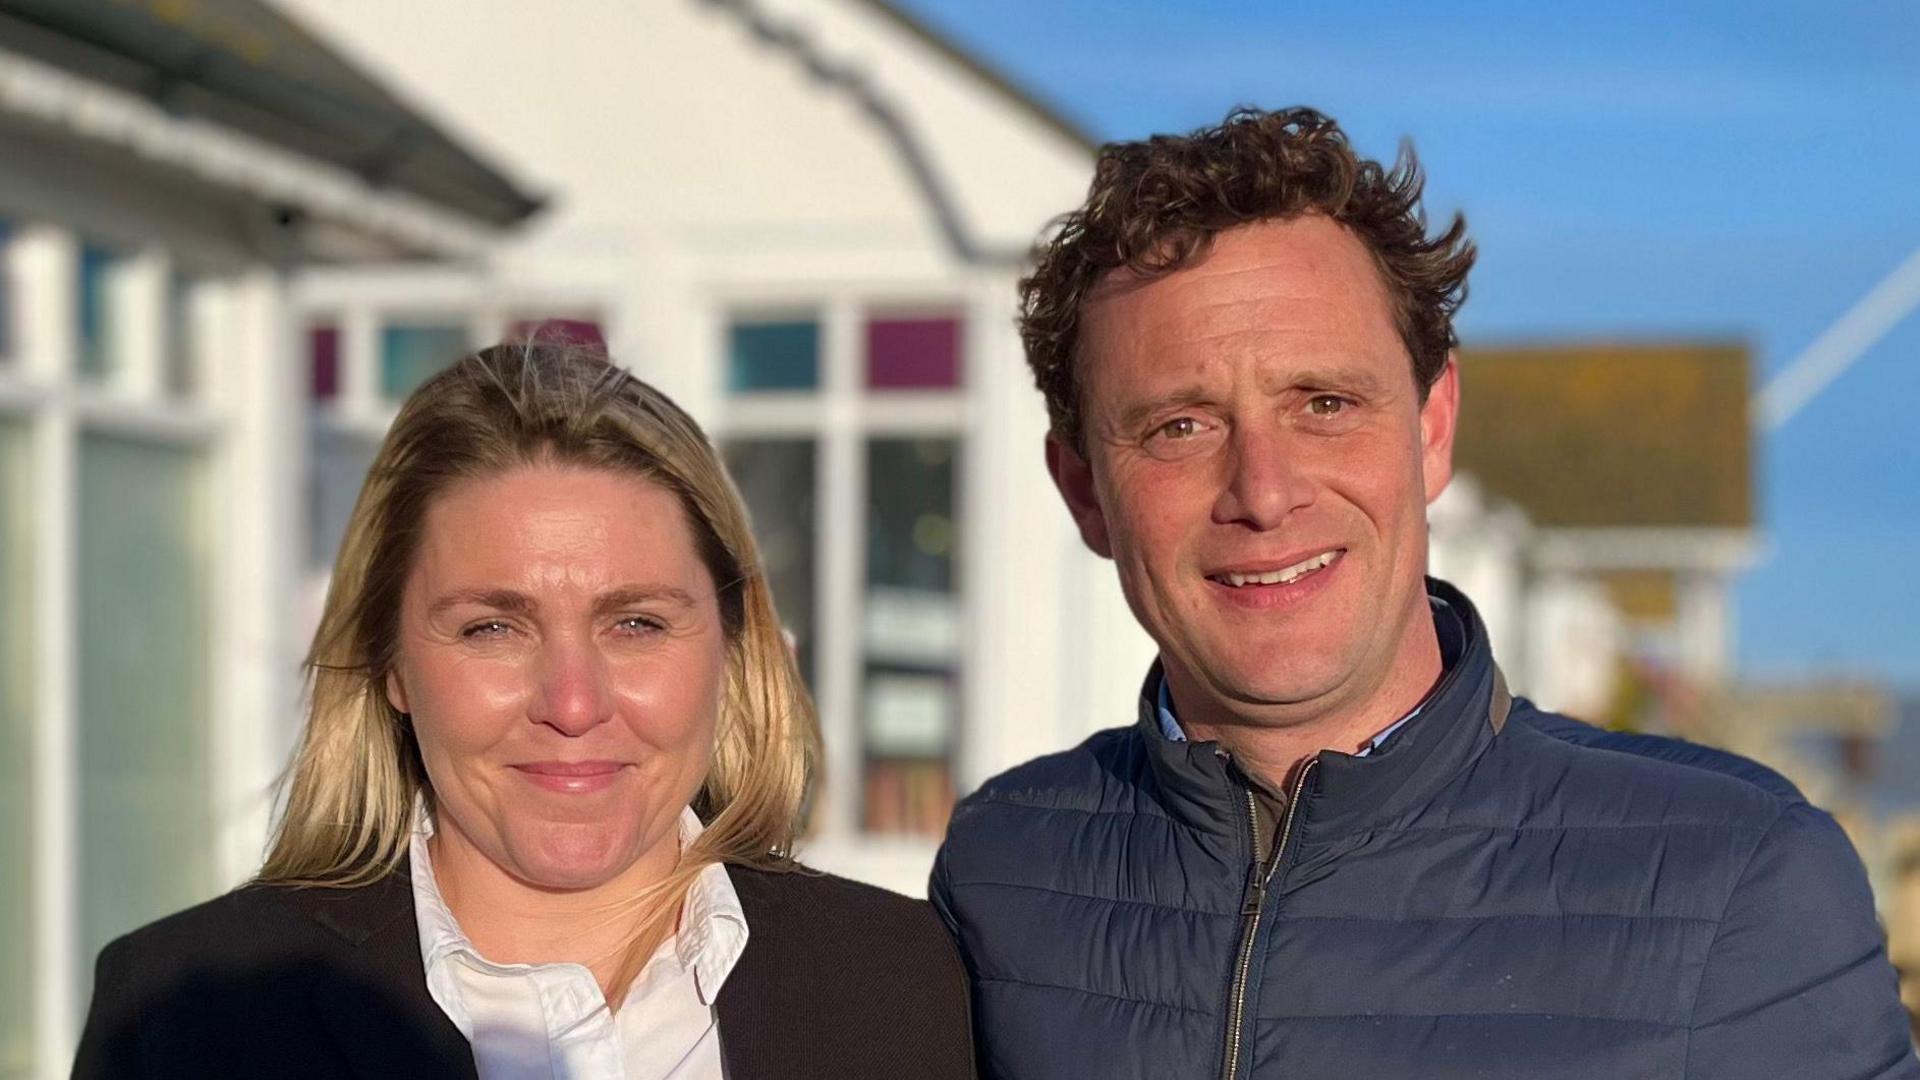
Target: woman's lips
{"x":570,"y":777}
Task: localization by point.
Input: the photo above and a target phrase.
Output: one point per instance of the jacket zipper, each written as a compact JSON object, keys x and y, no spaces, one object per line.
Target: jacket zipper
{"x":1252,"y":908}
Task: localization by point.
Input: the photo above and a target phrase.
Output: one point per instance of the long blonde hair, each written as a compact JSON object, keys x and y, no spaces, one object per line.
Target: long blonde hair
{"x":353,"y":784}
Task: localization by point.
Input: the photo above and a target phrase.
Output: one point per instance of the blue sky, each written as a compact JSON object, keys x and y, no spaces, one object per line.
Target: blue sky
{"x":1633,"y":169}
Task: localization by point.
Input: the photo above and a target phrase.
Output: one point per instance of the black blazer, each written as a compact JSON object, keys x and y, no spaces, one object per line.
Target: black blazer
{"x":839,"y":980}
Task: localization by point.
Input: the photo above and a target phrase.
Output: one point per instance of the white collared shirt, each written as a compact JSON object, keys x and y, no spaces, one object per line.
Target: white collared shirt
{"x":549,"y":1021}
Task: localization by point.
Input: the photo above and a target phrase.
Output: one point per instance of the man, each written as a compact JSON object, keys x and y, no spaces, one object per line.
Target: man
{"x":1333,"y":845}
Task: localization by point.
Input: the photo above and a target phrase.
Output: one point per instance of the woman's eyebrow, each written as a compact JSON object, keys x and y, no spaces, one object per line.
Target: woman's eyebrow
{"x":628,"y":596}
{"x":516,"y":603}
{"x":519,"y":603}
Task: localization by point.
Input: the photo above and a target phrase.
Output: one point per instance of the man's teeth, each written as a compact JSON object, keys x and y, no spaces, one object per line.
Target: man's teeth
{"x":1283,"y":576}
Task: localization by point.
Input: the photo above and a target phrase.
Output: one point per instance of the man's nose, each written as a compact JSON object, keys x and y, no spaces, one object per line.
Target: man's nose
{"x":1264,"y":481}
{"x":573,"y":696}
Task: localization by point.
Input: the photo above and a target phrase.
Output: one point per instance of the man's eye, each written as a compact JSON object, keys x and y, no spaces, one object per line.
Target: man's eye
{"x":1180,"y":427}
{"x":485,"y":629}
{"x":1326,"y":404}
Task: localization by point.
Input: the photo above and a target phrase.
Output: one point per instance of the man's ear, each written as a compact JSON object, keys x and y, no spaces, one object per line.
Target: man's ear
{"x":396,"y":691}
{"x":1074,"y":477}
{"x":1438,"y":418}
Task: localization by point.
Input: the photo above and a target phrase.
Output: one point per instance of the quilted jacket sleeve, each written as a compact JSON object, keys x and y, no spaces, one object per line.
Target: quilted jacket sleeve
{"x":1797,"y":982}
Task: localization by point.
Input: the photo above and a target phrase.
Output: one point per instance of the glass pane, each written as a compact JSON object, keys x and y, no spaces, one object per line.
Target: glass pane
{"x":183,"y":337}
{"x":16,"y":757}
{"x":776,"y":478}
{"x":340,"y":461}
{"x":98,"y":304}
{"x":323,"y":362}
{"x":773,"y":356}
{"x":145,"y":818}
{"x":7,"y":292}
{"x":913,"y":354}
{"x":911,"y":706}
{"x":549,"y":330}
{"x":410,"y":354}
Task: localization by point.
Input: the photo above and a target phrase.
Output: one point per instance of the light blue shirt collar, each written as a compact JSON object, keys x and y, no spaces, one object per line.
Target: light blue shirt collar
{"x":1170,"y":726}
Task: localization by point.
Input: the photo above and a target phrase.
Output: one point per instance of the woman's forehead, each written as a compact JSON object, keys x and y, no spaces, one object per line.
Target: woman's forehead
{"x":559,"y":527}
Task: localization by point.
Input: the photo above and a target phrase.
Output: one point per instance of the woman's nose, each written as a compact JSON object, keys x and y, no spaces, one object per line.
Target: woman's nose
{"x":573,"y":696}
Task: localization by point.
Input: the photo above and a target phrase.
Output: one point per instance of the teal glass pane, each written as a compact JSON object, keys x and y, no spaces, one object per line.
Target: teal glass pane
{"x":773,"y":356}
{"x":146,"y":828}
{"x":98,"y":322}
{"x":16,"y":757}
{"x":410,"y":354}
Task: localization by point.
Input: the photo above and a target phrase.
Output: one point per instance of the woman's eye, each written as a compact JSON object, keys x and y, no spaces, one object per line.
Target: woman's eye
{"x":485,"y":629}
{"x":639,"y":624}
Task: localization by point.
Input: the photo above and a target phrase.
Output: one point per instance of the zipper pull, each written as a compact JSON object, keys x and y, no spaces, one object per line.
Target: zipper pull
{"x":1256,"y":892}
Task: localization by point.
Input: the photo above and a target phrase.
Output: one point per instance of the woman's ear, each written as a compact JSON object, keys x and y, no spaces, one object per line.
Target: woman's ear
{"x":396,"y":691}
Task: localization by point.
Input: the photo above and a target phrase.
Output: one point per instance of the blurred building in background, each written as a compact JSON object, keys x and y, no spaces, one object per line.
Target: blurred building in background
{"x":233,"y":237}
{"x":161,"y":185}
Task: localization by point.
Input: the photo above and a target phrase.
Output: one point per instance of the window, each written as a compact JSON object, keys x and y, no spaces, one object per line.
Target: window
{"x":144,"y":684}
{"x":895,"y":437}
{"x":323,"y":362}
{"x":17,"y":818}
{"x":101,"y":311}
{"x":773,"y":356}
{"x":911,"y":643}
{"x":557,"y":330}
{"x":412,"y":353}
{"x":776,"y":477}
{"x":7,"y":292}
{"x":183,"y":361}
{"x":913,"y":354}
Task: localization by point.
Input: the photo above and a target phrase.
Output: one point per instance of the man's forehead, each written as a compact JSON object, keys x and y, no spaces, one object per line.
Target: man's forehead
{"x":1274,"y":290}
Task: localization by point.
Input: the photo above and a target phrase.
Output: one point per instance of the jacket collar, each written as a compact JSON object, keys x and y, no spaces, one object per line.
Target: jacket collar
{"x":374,"y":1001}
{"x":1457,"y":721}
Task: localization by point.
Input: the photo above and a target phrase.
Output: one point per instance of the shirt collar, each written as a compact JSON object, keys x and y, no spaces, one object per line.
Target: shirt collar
{"x":709,"y":940}
{"x":1451,"y":646}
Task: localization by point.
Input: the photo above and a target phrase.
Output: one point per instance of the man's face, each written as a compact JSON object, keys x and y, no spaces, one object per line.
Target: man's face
{"x":1258,"y":463}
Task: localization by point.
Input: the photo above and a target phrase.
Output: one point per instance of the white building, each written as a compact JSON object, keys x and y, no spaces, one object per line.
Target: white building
{"x":152,"y":206}
{"x":804,"y":220}
{"x":228,"y":254}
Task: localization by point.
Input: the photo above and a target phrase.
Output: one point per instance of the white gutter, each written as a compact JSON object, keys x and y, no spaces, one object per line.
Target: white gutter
{"x":41,"y":92}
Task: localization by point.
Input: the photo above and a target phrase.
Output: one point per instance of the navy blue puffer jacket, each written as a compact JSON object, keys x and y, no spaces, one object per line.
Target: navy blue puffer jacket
{"x":1497,"y":892}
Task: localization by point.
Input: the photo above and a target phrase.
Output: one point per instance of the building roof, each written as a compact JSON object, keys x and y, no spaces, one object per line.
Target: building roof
{"x":1034,"y":107}
{"x":1611,"y":435}
{"x":242,"y":65}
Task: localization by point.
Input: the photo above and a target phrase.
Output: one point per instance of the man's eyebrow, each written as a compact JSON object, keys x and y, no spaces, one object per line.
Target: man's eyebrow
{"x":1132,"y":416}
{"x":1337,"y":378}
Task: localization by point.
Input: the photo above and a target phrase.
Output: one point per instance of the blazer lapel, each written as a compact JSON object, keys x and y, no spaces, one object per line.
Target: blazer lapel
{"x":372,"y":997}
{"x":758,"y":1039}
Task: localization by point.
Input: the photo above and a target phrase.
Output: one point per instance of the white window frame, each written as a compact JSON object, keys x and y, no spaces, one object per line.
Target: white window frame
{"x":841,"y":415}
{"x":231,"y":418}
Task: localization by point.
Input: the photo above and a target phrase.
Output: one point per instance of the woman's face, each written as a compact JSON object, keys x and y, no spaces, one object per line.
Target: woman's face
{"x":562,"y":656}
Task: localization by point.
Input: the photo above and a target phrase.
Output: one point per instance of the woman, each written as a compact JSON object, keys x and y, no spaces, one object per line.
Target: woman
{"x":540,"y":819}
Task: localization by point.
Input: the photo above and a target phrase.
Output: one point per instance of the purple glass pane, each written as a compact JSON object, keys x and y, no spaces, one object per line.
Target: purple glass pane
{"x":582,"y":332}
{"x":323,"y":350}
{"x":913,"y":354}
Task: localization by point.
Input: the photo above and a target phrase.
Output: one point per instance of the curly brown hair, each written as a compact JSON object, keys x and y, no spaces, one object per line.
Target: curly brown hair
{"x":1156,"y":205}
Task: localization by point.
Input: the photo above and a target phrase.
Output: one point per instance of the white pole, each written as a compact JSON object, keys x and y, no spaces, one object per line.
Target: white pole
{"x":1836,"y":350}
